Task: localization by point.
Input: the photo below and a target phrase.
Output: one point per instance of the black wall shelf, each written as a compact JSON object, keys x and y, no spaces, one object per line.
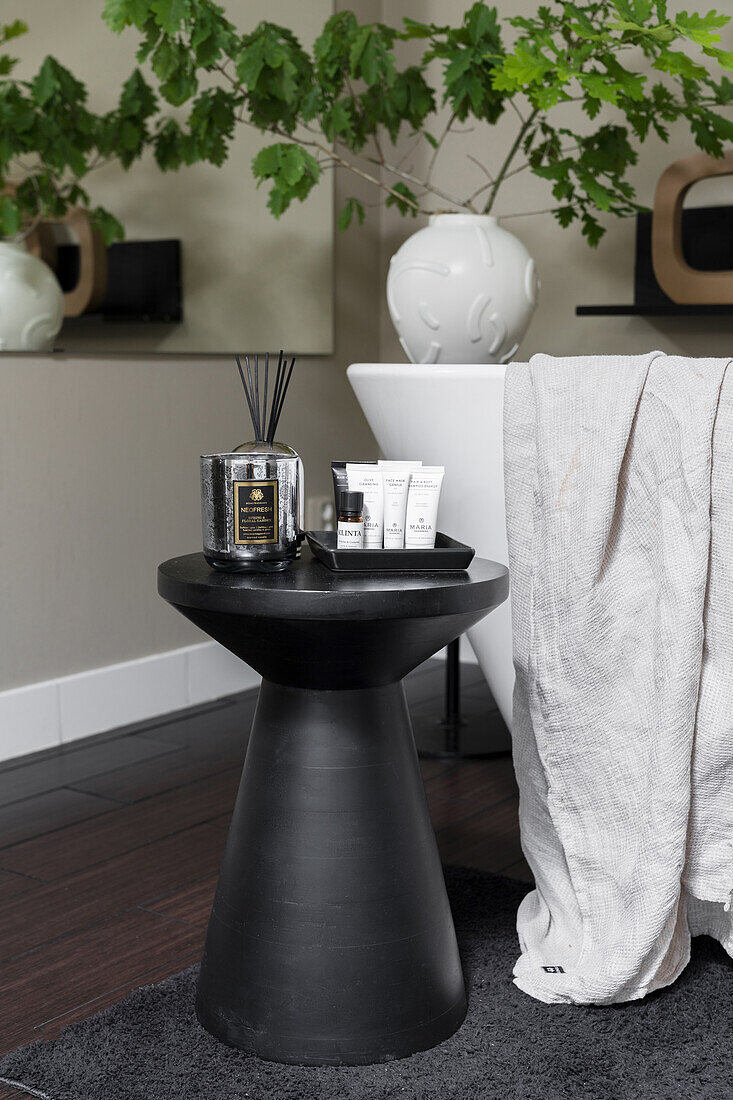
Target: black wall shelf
{"x":707,"y":244}
{"x":671,"y":310}
{"x":143,"y":283}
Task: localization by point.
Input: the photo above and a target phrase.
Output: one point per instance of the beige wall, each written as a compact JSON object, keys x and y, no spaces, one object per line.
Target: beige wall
{"x":99,"y":478}
{"x":99,"y":457}
{"x":571,"y":272}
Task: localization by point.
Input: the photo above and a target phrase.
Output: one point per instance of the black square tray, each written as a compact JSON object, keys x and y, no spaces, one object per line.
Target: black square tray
{"x":448,"y":553}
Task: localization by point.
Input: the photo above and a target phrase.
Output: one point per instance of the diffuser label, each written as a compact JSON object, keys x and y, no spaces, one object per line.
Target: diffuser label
{"x":255,"y":512}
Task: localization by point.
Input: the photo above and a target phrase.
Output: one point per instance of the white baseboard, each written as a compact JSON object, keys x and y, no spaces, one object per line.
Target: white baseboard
{"x":54,"y":712}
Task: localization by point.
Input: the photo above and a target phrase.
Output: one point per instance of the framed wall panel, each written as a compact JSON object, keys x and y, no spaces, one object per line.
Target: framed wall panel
{"x":249,"y":282}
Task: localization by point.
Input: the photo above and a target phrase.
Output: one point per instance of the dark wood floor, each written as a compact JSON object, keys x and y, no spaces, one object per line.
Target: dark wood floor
{"x":109,"y":851}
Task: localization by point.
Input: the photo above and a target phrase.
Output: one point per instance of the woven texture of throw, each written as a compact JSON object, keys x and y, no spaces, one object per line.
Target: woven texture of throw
{"x":619,"y":490}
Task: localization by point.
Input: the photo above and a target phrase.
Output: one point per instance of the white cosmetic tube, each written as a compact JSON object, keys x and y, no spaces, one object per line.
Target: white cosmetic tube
{"x":396,"y":481}
{"x":422,"y":507}
{"x":367,"y":479}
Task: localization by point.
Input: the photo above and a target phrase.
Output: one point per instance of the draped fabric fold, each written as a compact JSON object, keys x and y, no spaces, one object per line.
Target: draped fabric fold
{"x":619,"y":490}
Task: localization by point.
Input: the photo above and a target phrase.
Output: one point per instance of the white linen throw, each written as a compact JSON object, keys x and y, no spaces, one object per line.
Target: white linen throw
{"x":619,"y":491}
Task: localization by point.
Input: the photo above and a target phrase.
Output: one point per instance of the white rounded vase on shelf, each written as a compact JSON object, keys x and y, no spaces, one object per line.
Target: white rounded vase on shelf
{"x":461,"y":290}
{"x":31,"y":301}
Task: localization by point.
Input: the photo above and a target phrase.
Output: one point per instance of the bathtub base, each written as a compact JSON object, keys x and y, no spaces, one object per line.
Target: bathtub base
{"x":470,"y":739}
{"x":467,"y":729}
{"x":451,"y":415}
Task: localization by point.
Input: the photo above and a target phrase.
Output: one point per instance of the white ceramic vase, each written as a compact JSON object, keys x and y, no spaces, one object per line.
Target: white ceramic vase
{"x":31,"y":301}
{"x":461,"y":290}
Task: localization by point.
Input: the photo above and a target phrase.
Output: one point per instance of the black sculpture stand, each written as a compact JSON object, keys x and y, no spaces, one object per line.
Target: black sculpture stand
{"x":459,"y":733}
{"x":331,"y":939}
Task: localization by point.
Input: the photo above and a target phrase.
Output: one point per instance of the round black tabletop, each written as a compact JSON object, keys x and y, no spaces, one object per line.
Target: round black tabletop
{"x":309,"y":590}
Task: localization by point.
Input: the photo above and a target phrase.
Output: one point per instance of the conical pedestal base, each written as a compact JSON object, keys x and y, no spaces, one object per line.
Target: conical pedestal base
{"x":331,"y":939}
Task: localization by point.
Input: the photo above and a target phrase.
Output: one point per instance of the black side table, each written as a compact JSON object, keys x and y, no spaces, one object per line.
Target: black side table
{"x":331,"y":939}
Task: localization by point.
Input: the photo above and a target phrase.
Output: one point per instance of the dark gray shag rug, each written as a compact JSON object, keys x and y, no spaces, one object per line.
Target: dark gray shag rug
{"x":675,"y":1044}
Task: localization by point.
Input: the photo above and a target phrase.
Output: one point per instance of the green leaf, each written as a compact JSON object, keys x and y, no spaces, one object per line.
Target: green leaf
{"x":723,"y":127}
{"x":626,"y":82}
{"x":460,"y":64}
{"x":679,"y":64}
{"x":370,"y":61}
{"x":137,"y":98}
{"x":701,"y":28}
{"x":151,"y":32}
{"x":595,"y":191}
{"x":119,"y":14}
{"x":292,"y":163}
{"x":351,"y":208}
{"x":167,"y":57}
{"x":13,"y":30}
{"x":45,"y":83}
{"x":371,"y":56}
{"x":292,"y":170}
{"x":724,"y":91}
{"x":414,"y":29}
{"x":53,"y":80}
{"x":599,"y":87}
{"x":525,"y":66}
{"x":170,"y":146}
{"x":592,"y":230}
{"x":267,"y":161}
{"x":108,"y":225}
{"x":642,"y":10}
{"x":170,"y":14}
{"x":180,"y":85}
{"x":338,"y":121}
{"x":359,"y":45}
{"x":565,"y":215}
{"x":250,"y":64}
{"x":405,"y":200}
{"x":9,"y":216}
{"x":480,"y":20}
{"x":723,"y":57}
{"x":7,"y":64}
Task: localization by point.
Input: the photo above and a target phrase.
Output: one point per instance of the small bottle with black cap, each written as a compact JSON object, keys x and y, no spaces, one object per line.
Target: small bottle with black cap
{"x":350,"y":530}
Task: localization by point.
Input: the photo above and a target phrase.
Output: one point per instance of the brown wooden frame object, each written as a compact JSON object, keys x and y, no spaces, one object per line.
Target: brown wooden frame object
{"x":684,"y":284}
{"x":91,"y":286}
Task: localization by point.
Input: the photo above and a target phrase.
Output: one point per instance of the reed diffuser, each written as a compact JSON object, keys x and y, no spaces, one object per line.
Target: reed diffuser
{"x":252,"y":497}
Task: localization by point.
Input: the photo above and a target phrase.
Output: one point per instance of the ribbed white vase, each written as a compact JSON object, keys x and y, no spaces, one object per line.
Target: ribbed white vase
{"x":461,"y":290}
{"x":31,"y":301}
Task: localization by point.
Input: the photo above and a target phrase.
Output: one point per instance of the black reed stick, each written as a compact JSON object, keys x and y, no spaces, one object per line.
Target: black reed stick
{"x":264,"y":421}
{"x":246,"y":391}
{"x":275,"y":396}
{"x":255,"y":410}
{"x":275,"y":392}
{"x":283,"y":395}
{"x":257,"y":396}
{"x":267,"y":373}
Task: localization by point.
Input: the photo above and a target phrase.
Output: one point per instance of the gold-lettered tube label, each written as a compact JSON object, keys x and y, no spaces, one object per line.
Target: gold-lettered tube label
{"x":255,"y":512}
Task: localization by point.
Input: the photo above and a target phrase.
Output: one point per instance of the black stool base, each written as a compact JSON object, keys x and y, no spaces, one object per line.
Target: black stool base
{"x":331,"y":939}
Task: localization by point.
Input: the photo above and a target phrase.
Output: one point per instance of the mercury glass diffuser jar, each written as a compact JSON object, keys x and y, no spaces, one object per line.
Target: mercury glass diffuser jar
{"x":251,"y":500}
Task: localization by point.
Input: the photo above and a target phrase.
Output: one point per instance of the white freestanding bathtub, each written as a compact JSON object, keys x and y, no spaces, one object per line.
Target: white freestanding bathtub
{"x":452,"y":416}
